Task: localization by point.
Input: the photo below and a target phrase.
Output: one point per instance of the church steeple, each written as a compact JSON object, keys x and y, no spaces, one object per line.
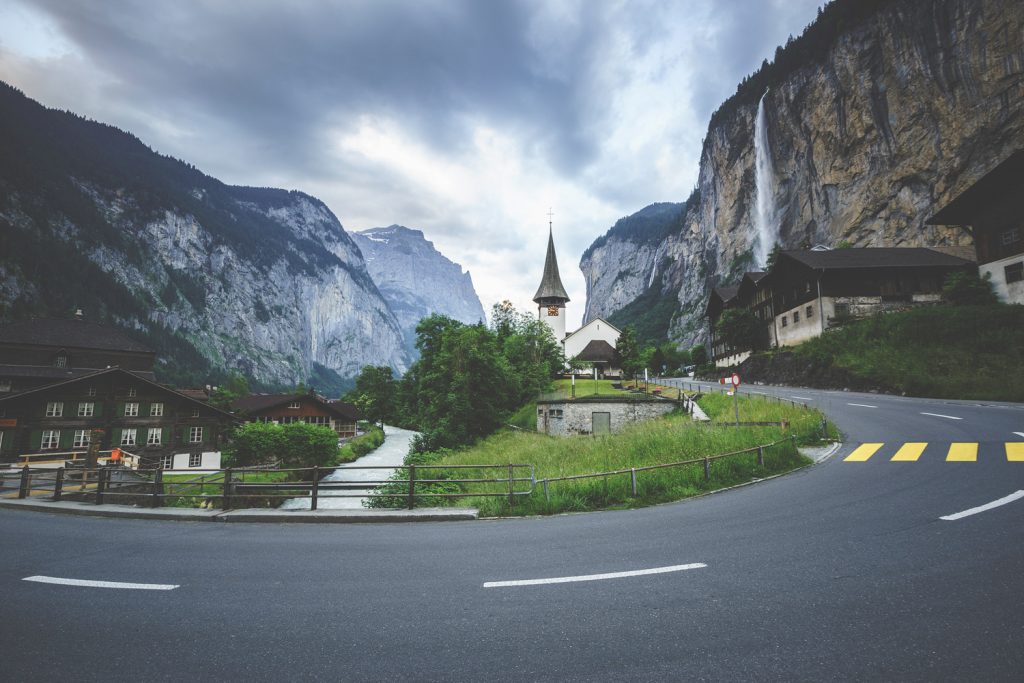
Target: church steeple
{"x":551,"y":297}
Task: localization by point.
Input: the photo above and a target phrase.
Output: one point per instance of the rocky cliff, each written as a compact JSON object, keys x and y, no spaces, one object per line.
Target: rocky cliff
{"x":217,"y":278}
{"x":877,"y":116}
{"x":416,"y":279}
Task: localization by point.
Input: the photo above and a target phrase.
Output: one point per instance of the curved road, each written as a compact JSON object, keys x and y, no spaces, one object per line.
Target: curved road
{"x":841,"y":571}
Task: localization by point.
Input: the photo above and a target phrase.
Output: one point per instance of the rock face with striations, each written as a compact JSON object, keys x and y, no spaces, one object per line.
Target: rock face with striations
{"x":416,"y":279}
{"x":216,"y":278}
{"x":875,"y":121}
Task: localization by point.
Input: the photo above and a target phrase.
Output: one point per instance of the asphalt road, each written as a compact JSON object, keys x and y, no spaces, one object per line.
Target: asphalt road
{"x":843,"y":571}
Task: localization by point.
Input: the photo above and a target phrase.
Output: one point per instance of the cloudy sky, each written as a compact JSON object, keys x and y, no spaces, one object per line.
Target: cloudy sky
{"x":468,"y":119}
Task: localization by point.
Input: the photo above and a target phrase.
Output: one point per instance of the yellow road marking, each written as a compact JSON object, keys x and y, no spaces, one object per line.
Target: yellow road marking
{"x":863,"y":452}
{"x":1015,"y":452}
{"x":962,"y":452}
{"x":909,"y":452}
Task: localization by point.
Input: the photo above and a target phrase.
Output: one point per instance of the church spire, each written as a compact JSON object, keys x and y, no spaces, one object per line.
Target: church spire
{"x":551,"y":292}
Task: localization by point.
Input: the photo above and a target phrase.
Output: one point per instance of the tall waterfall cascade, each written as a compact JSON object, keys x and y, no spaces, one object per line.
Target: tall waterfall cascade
{"x":764,"y":189}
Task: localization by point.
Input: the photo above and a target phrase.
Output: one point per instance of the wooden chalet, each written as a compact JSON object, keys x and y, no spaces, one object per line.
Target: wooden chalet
{"x":309,"y":408}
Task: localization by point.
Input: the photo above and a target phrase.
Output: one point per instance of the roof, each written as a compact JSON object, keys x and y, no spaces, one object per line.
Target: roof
{"x":597,"y":351}
{"x":873,"y":257}
{"x":550,"y":283}
{"x":755,"y":276}
{"x":1003,"y":183}
{"x":69,"y":333}
{"x":197,"y":394}
{"x":57,"y":374}
{"x":259,"y":402}
{"x":725,"y":293}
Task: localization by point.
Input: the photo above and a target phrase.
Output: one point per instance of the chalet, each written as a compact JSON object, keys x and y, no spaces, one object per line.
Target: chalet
{"x":123,"y":409}
{"x":34,"y":353}
{"x":992,"y":210}
{"x":722,"y":298}
{"x":309,"y":408}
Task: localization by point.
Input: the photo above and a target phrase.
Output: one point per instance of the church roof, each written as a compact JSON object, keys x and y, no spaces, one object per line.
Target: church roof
{"x":550,"y":284}
{"x":597,"y":351}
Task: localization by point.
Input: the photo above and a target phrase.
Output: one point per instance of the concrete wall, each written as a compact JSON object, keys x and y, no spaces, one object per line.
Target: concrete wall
{"x":854,"y":306}
{"x":1012,"y":293}
{"x":734,"y":359}
{"x":566,"y":418}
{"x":210,"y":461}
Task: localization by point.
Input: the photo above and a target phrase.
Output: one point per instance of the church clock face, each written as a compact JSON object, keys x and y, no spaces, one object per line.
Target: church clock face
{"x":553,"y":311}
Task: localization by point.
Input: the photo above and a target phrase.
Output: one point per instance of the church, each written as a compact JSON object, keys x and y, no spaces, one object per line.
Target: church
{"x":593,"y":345}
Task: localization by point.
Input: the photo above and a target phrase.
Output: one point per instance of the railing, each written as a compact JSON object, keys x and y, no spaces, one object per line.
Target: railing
{"x":632,"y":471}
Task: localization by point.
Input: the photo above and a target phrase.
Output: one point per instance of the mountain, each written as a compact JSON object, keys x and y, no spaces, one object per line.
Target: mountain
{"x":216,"y":278}
{"x":880,"y":113}
{"x":416,"y":279}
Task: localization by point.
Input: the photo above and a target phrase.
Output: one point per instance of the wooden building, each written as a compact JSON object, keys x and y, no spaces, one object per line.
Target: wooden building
{"x":309,"y":408}
{"x":992,"y":210}
{"x":124,"y":409}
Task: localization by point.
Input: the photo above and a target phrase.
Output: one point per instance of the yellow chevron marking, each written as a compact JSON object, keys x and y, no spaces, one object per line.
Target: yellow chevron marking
{"x":1015,"y":452}
{"x":909,"y":452}
{"x":863,"y":452}
{"x":962,"y":452}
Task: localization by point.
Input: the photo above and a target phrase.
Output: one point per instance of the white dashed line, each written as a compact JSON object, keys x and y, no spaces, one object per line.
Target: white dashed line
{"x":948,"y":417}
{"x":1020,"y":434}
{"x":861,"y":405}
{"x":595,"y":577}
{"x":1017,"y":495}
{"x":102,"y":584}
{"x":803,"y":398}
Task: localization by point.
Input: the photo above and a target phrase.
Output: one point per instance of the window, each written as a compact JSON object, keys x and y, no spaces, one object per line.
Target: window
{"x":86,"y":409}
{"x":154,"y":438}
{"x":796,"y":317}
{"x":156,"y":410}
{"x":91,"y":391}
{"x":1,"y":441}
{"x":1015,"y":272}
{"x":195,"y":412}
{"x":55,"y":409}
{"x":195,"y":459}
{"x":288,"y":419}
{"x":132,"y":393}
{"x":810,"y":311}
{"x":294,"y":405}
{"x":785,"y":321}
{"x":1010,"y":236}
{"x":131,"y":409}
{"x":128,"y":437}
{"x":166,"y":462}
{"x":51,"y":439}
{"x":83,"y":437}
{"x":316,"y":420}
{"x":5,"y":385}
{"x":61,"y":361}
{"x":195,"y":434}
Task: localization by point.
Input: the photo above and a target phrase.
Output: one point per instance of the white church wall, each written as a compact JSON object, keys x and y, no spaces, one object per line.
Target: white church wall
{"x":597,"y":329}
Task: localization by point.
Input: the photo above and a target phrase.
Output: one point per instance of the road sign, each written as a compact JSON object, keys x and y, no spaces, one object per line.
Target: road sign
{"x":735,"y":380}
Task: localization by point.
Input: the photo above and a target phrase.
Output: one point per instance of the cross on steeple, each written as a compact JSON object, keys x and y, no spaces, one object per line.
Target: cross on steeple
{"x":550,"y":214}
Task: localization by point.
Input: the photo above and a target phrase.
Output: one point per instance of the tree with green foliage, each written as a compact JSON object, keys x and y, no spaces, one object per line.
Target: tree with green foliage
{"x":253,"y":443}
{"x":628,"y":351}
{"x":292,"y":445}
{"x":375,"y":394}
{"x":657,"y":362}
{"x":699,"y":355}
{"x":968,"y":289}
{"x":773,"y":256}
{"x":234,"y":387}
{"x":739,"y":329}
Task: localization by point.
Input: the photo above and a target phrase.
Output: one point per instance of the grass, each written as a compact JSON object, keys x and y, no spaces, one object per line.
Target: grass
{"x":671,"y":439}
{"x":584,"y":387}
{"x":184,"y":490}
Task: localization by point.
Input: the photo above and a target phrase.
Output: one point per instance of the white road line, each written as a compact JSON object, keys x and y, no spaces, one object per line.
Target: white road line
{"x":595,"y":577}
{"x":861,"y":405}
{"x":948,"y":417}
{"x":1020,"y":434}
{"x":1017,"y":495}
{"x":758,"y":392}
{"x":803,"y":398}
{"x":102,"y":584}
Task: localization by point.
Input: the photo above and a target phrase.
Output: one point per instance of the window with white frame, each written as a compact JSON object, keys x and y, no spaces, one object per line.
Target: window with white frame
{"x":1,"y":441}
{"x":83,"y":437}
{"x":91,"y":391}
{"x":1014,"y":272}
{"x":1010,"y":236}
{"x":289,"y":419}
{"x":132,"y":393}
{"x":156,"y":409}
{"x":51,"y":439}
{"x":195,"y":459}
{"x":128,"y":437}
{"x":317,"y":420}
{"x":5,"y":385}
{"x":195,"y":435}
{"x":155,"y":436}
{"x":54,"y":409}
{"x":86,"y":409}
{"x":294,"y":405}
{"x":195,"y":412}
{"x":166,"y":462}
{"x":61,"y":361}
{"x":131,"y":409}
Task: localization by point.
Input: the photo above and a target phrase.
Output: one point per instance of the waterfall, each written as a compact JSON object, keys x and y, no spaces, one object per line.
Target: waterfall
{"x":764,"y":190}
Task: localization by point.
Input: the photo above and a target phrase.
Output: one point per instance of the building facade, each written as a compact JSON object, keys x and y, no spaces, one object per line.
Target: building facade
{"x":308,"y":408}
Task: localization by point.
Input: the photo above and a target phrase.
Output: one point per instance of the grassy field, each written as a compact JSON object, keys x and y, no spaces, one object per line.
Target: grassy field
{"x":671,"y":439}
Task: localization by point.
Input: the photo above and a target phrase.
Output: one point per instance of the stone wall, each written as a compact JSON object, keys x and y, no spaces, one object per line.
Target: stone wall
{"x":565,"y":418}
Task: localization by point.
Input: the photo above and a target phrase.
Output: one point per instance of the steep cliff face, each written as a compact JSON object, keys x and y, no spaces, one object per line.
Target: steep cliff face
{"x":416,"y":279}
{"x":217,"y":278}
{"x":905,"y":109}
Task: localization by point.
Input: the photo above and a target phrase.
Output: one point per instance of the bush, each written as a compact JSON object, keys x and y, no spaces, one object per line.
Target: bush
{"x":968,"y":289}
{"x":292,"y":445}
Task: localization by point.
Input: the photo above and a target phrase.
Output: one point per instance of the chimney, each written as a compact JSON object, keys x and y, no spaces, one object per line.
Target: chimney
{"x":78,"y":314}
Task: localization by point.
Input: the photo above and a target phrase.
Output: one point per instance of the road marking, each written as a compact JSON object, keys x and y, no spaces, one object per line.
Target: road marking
{"x":962,"y":452}
{"x":863,"y":452}
{"x":1020,"y":434}
{"x":803,"y":398}
{"x":595,"y":577}
{"x":909,"y":452}
{"x":1015,"y":452}
{"x":759,"y":392}
{"x":861,"y":405}
{"x":948,"y":417}
{"x":102,"y":584}
{"x":1017,"y":495}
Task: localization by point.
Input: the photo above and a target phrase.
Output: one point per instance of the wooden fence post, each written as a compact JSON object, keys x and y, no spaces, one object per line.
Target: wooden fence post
{"x":226,"y":487}
{"x":58,"y":484}
{"x":25,"y":484}
{"x":158,"y":488}
{"x":412,"y":486}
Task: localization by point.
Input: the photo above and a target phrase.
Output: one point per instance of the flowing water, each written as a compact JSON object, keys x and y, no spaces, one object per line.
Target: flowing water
{"x":764,"y":216}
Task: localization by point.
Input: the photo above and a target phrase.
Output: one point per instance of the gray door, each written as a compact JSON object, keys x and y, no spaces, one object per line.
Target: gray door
{"x":602,"y":423}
